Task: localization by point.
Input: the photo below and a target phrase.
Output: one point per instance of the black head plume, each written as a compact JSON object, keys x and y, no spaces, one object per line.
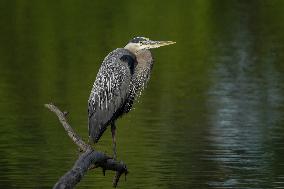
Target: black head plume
{"x":138,"y":39}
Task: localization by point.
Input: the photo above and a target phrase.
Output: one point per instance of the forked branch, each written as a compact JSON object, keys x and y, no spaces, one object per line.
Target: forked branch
{"x":89,"y":159}
{"x":71,"y":133}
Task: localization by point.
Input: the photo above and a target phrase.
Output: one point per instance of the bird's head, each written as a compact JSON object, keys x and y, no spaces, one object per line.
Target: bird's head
{"x":143,"y":43}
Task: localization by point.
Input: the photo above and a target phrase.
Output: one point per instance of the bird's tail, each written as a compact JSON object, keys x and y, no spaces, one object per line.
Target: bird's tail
{"x":96,"y":130}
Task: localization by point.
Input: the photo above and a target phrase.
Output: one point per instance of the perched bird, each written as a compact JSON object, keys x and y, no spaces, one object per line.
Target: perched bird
{"x":121,"y":78}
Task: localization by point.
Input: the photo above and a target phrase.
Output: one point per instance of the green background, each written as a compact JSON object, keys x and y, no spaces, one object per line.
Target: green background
{"x":212,"y":115}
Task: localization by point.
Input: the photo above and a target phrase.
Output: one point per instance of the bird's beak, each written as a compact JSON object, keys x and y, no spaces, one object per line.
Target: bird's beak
{"x":155,"y":44}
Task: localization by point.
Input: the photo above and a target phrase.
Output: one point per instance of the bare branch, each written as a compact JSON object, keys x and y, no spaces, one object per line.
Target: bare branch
{"x":119,"y":167}
{"x":76,"y":138}
{"x":72,"y":177}
{"x":88,"y":160}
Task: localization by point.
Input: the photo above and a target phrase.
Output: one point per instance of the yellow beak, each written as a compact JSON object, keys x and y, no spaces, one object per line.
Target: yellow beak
{"x":155,"y":44}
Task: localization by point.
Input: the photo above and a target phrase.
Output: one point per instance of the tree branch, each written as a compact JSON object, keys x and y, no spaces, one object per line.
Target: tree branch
{"x":87,"y":160}
{"x":71,"y":133}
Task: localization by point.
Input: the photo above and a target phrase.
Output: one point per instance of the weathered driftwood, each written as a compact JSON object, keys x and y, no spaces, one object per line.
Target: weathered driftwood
{"x":89,"y":159}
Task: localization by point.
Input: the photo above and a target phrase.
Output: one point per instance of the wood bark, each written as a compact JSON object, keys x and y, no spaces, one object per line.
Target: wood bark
{"x":88,"y":160}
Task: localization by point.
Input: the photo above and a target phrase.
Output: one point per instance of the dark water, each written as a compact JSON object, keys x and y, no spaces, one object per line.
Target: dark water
{"x":211,"y":117}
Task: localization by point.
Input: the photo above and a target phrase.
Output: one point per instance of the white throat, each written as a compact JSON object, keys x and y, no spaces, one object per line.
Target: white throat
{"x":135,"y":47}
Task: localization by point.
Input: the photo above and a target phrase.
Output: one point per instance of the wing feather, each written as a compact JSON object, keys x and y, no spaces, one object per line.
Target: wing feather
{"x":110,"y":91}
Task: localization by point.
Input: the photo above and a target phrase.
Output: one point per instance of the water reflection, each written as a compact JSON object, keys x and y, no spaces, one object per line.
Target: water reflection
{"x":245,"y":98}
{"x":211,"y":117}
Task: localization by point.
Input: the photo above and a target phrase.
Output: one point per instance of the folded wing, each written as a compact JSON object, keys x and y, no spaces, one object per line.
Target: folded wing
{"x":110,"y":91}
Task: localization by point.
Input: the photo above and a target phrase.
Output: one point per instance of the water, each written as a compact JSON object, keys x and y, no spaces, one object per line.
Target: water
{"x":212,"y":115}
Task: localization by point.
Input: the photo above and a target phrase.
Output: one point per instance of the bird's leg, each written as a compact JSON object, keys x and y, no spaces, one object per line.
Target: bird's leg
{"x":113,"y":128}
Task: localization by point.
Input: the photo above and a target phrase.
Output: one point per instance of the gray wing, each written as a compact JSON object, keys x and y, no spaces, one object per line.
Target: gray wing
{"x":110,"y":91}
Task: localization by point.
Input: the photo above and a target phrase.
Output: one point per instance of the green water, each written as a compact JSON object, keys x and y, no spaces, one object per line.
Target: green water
{"x":211,"y":117}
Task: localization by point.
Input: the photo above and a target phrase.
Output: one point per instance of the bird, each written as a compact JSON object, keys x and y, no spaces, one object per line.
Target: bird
{"x":123,"y":75}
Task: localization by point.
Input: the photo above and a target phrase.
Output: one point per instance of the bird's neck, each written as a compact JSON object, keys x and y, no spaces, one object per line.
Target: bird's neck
{"x":140,"y":77}
{"x":134,"y":48}
{"x":143,"y":57}
{"x":142,"y":71}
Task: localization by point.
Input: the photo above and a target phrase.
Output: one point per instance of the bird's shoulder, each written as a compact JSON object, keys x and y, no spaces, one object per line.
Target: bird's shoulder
{"x":118,"y":58}
{"x":113,"y":79}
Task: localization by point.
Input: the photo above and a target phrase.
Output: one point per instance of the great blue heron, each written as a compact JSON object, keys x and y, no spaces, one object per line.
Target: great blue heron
{"x":122,"y":76}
